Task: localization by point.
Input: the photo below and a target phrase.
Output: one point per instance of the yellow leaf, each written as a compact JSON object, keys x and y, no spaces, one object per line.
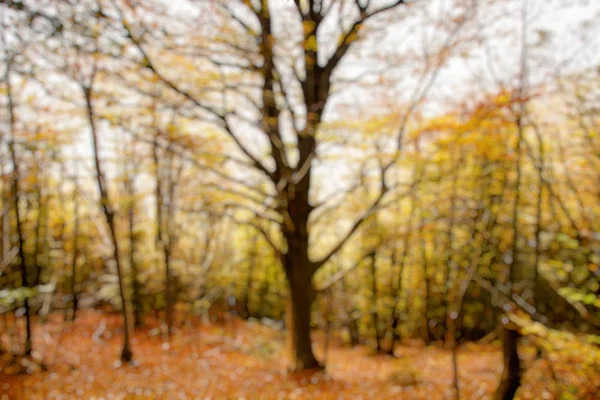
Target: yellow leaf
{"x":310,"y":44}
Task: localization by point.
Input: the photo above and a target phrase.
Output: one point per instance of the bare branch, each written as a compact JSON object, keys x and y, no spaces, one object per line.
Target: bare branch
{"x":338,"y":276}
{"x":375,"y":206}
{"x":222,"y":117}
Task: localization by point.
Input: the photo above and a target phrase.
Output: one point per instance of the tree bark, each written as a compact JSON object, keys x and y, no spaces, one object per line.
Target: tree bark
{"x":109,"y":213}
{"x":396,"y":337}
{"x":251,"y":265}
{"x":300,"y":353}
{"x":426,"y":330}
{"x":37,"y":233}
{"x":135,"y":284}
{"x":511,"y":376}
{"x":299,"y":271}
{"x":375,"y":296}
{"x":75,"y":256}
{"x":350,"y":309}
{"x":298,"y":267}
{"x":164,"y":235}
{"x":15,"y":198}
{"x":168,"y":290}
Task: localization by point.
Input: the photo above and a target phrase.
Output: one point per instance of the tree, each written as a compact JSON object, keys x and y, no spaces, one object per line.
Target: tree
{"x":293,"y":91}
{"x":15,"y":196}
{"x":109,"y":213}
{"x":130,"y":190}
{"x":167,"y":175}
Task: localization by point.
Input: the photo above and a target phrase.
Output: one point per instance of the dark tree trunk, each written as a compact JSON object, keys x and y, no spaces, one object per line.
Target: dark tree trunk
{"x":15,"y":192}
{"x":299,"y":272}
{"x":109,"y":213}
{"x":75,"y":256}
{"x":251,"y":266}
{"x":374,"y":311}
{"x":395,"y":289}
{"x":426,"y":330}
{"x":299,"y":269}
{"x":299,"y":306}
{"x":511,"y":376}
{"x":21,"y":246}
{"x":168,"y":290}
{"x":37,"y":235}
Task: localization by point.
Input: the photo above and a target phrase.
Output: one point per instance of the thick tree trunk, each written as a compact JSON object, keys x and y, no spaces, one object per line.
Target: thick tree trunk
{"x":299,"y":273}
{"x":297,"y":265}
{"x":511,"y":376}
{"x":299,"y":306}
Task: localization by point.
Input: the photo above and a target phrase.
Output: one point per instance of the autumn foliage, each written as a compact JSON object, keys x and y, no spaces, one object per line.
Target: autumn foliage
{"x":299,"y":199}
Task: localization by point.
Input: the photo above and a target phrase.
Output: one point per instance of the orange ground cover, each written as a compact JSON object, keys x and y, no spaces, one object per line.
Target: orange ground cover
{"x":240,"y":360}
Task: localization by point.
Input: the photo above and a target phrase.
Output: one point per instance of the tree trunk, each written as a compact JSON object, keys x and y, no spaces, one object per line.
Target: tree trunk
{"x":168,"y":289}
{"x":135,"y":284}
{"x":6,"y":240}
{"x":396,"y":338}
{"x":299,"y":272}
{"x":109,"y":213}
{"x":37,"y":234}
{"x":21,"y":251}
{"x":75,"y":256}
{"x":298,"y":316}
{"x":395,"y":290}
{"x":15,"y":192}
{"x":426,"y":330}
{"x":374,"y":311}
{"x":251,"y":265}
{"x":164,"y":237}
{"x":455,"y":380}
{"x":511,"y":376}
{"x":298,"y":267}
{"x":349,"y":308}
{"x":126,"y":353}
{"x":452,"y":267}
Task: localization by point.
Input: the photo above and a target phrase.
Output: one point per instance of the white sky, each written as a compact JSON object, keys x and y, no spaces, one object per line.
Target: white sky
{"x":567,"y":47}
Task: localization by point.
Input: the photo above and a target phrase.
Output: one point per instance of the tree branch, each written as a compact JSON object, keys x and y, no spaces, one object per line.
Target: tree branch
{"x":147,"y":63}
{"x":338,"y":276}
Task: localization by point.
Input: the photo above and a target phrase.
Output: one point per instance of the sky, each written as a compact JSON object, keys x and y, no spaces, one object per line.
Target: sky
{"x":562,"y":37}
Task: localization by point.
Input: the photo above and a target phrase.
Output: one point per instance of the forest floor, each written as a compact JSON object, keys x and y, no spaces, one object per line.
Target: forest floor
{"x":243,"y":360}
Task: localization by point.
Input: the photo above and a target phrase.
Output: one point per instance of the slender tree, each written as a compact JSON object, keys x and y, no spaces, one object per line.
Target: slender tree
{"x":75,"y":243}
{"x":15,"y":195}
{"x":511,"y":376}
{"x":109,"y":214}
